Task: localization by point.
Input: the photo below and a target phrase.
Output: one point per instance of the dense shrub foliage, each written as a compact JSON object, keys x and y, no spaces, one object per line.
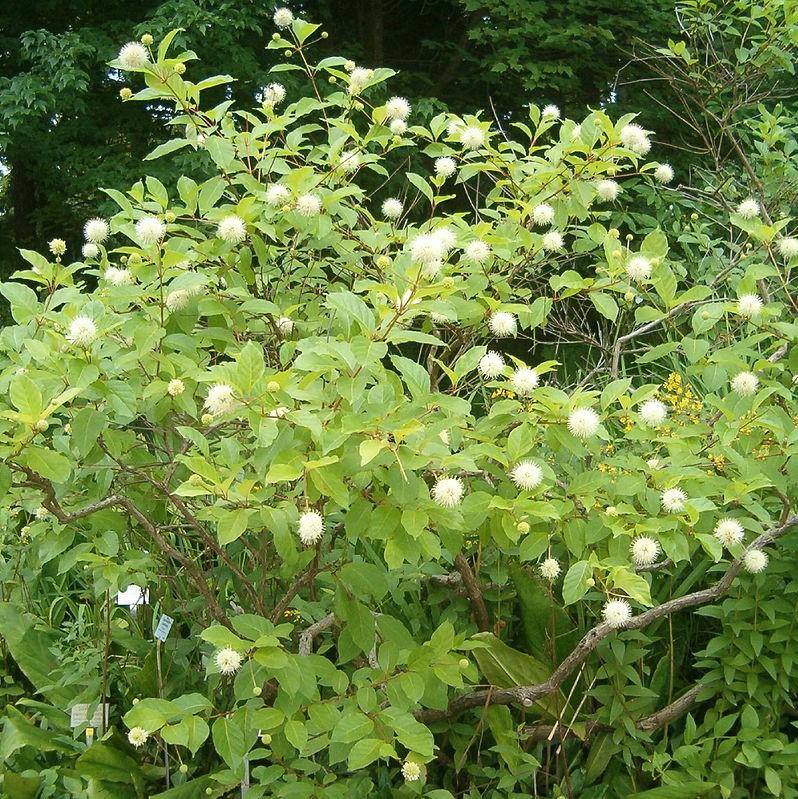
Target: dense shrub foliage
{"x":430,"y":470}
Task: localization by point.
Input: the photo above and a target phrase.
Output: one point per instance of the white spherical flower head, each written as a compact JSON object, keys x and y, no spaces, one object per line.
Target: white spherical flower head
{"x":150,"y":230}
{"x":277,"y":194}
{"x":82,"y":331}
{"x":90,"y":250}
{"x":308,"y":205}
{"x":634,"y":138}
{"x":755,"y":561}
{"x":503,"y":323}
{"x":118,"y":277}
{"x":542,"y":214}
{"x":445,"y":167}
{"x":472,"y":137}
{"x":607,"y":190}
{"x":477,"y":251}
{"x":446,"y":236}
{"x":576,"y":133}
{"x":664,"y":173}
{"x":551,"y":111}
{"x":745,"y":384}
{"x":617,"y":613}
{"x":428,"y":248}
{"x":283,"y":17}
{"x":397,"y":108}
{"x":285,"y":325}
{"x":221,"y":399}
{"x":524,"y":381}
{"x":638,"y":268}
{"x":349,"y":161}
{"x":411,"y":771}
{"x":311,"y":527}
{"x":57,"y":246}
{"x":749,"y":305}
{"x":553,"y":241}
{"x":137,"y":736}
{"x":550,"y":569}
{"x":491,"y":365}
{"x":398,"y":127}
{"x":527,"y":475}
{"x":583,"y":422}
{"x":448,"y":492}
{"x":96,"y":230}
{"x":41,"y":513}
{"x":392,"y":208}
{"x":133,"y":55}
{"x":232,"y":229}
{"x":748,"y":209}
{"x":788,"y":247}
{"x":175,"y":388}
{"x":729,"y":532}
{"x":274,"y":93}
{"x":453,"y":127}
{"x":645,"y":551}
{"x":177,"y":300}
{"x":653,"y":413}
{"x":228,"y":661}
{"x":673,"y":500}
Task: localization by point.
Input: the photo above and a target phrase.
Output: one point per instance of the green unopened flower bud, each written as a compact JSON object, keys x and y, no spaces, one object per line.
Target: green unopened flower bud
{"x":629,"y":296}
{"x":694,"y":216}
{"x":135,"y":700}
{"x":324,"y":34}
{"x":614,"y":232}
{"x":208,"y":791}
{"x":272,"y":386}
{"x":358,"y":106}
{"x":332,"y":79}
{"x":590,"y":582}
{"x":383,"y":262}
{"x":464,"y":664}
{"x":522,"y":527}
{"x":265,"y":739}
{"x":288,"y":53}
{"x":629,"y":237}
{"x":134,"y":259}
{"x":705,"y":314}
{"x":183,"y":768}
{"x":125,"y":93}
{"x":448,"y":282}
{"x":147,"y":40}
{"x":169,"y":217}
{"x":180,"y":68}
{"x":41,"y":425}
{"x":207,"y":419}
{"x":257,"y":691}
{"x":275,"y":37}
{"x":195,"y":480}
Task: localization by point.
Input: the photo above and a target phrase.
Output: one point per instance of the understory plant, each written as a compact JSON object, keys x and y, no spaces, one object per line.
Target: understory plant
{"x":451,"y":485}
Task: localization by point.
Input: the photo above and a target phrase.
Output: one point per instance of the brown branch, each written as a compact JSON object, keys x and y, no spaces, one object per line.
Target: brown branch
{"x":307,"y":638}
{"x":474,"y":594}
{"x":295,"y":587}
{"x":526,"y":695}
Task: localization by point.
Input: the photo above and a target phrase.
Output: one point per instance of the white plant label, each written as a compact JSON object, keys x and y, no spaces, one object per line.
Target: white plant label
{"x":164,"y":626}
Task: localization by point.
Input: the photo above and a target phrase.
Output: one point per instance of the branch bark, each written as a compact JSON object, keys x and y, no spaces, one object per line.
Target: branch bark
{"x":474,"y":594}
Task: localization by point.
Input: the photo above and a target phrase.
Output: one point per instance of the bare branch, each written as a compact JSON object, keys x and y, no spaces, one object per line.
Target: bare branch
{"x":474,"y":594}
{"x":307,"y":638}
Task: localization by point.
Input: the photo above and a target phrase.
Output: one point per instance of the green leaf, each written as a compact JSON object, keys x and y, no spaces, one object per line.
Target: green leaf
{"x":296,"y":734}
{"x":49,"y":464}
{"x":365,"y":751}
{"x":250,"y":366}
{"x":18,"y":732}
{"x":575,"y":584}
{"x":102,"y":761}
{"x":687,"y":790}
{"x":604,"y":304}
{"x":421,"y":185}
{"x":26,"y":397}
{"x":230,"y":739}
{"x":193,"y":789}
{"x":166,"y":148}
{"x":232,"y":524}
{"x":633,"y":585}
{"x":86,"y":428}
{"x":191,"y":732}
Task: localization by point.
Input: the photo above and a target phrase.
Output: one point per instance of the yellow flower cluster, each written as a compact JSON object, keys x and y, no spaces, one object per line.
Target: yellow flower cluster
{"x":681,"y":399}
{"x":718,"y":462}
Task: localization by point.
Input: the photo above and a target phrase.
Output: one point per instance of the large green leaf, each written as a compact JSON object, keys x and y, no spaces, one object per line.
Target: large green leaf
{"x":687,"y":790}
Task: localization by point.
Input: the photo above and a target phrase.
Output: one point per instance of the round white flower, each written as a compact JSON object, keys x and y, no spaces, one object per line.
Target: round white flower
{"x":453,"y":127}
{"x":177,"y":300}
{"x":748,"y":209}
{"x":274,"y":93}
{"x":524,"y":381}
{"x":645,"y":551}
{"x":57,"y":246}
{"x":82,"y":331}
{"x":788,"y":247}
{"x":673,"y":500}
{"x":491,"y":365}
{"x":311,"y":527}
{"x":397,"y":108}
{"x":550,"y":569}
{"x":638,"y":268}
{"x":749,"y":305}
{"x":283,"y":17}
{"x":653,"y":413}
{"x":551,"y":111}
{"x":634,"y":138}
{"x":653,"y":464}
{"x":617,"y":613}
{"x":583,"y":422}
{"x":232,"y":229}
{"x":553,"y":241}
{"x":477,"y":251}
{"x":41,"y":513}
{"x":398,"y":127}
{"x":221,"y":399}
{"x":527,"y":475}
{"x":277,"y":194}
{"x":90,"y":250}
{"x":729,"y":532}
{"x":472,"y":137}
{"x":349,"y":161}
{"x":285,"y":326}
{"x":664,"y":173}
{"x":576,"y":133}
{"x":755,"y":561}
{"x":150,"y":230}
{"x":446,"y":236}
{"x":308,"y":205}
{"x":428,"y":248}
{"x":745,"y":384}
{"x":445,"y":167}
{"x":542,"y":214}
{"x":607,"y":190}
{"x":137,"y":736}
{"x":96,"y":230}
{"x":411,"y":771}
{"x":118,"y":277}
{"x":228,"y":661}
{"x":175,"y":388}
{"x":133,"y":55}
{"x":392,"y":208}
{"x":448,"y":492}
{"x":349,"y":65}
{"x":503,"y":323}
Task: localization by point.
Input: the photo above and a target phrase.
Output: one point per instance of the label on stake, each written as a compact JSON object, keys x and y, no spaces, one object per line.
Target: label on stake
{"x":164,"y":626}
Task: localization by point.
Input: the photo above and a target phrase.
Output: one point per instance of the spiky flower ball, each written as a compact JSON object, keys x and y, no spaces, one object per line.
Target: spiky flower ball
{"x":472,"y":137}
{"x":583,"y":422}
{"x":788,"y":247}
{"x":311,"y":527}
{"x":634,"y":138}
{"x":285,"y":325}
{"x":411,"y":771}
{"x":283,"y":17}
{"x":638,"y":268}
{"x":551,"y":112}
{"x":445,"y":167}
{"x":177,"y":300}
{"x":664,"y":173}
{"x":503,"y":323}
{"x":392,"y":208}
{"x":82,"y":331}
{"x":673,"y":500}
{"x":553,"y":241}
{"x":745,"y":384}
{"x":477,"y":251}
{"x":527,"y":475}
{"x":491,"y":365}
{"x":232,"y":229}
{"x":220,"y":399}
{"x":96,"y":230}
{"x":308,"y":205}
{"x":653,"y":413}
{"x":397,"y":108}
{"x":542,"y":214}
{"x":274,"y":94}
{"x":644,"y":550}
{"x":150,"y":230}
{"x":755,"y":561}
{"x":118,"y":277}
{"x":175,"y":387}
{"x":90,"y":250}
{"x":748,"y":209}
{"x":428,"y":248}
{"x":617,"y":613}
{"x":57,"y":246}
{"x":550,"y":569}
{"x":349,"y":161}
{"x":228,"y":661}
{"x":277,"y":194}
{"x":137,"y":736}
{"x":448,"y":492}
{"x":729,"y":532}
{"x":398,"y":127}
{"x":133,"y":55}
{"x":749,"y":305}
{"x":524,"y":381}
{"x":607,"y":190}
